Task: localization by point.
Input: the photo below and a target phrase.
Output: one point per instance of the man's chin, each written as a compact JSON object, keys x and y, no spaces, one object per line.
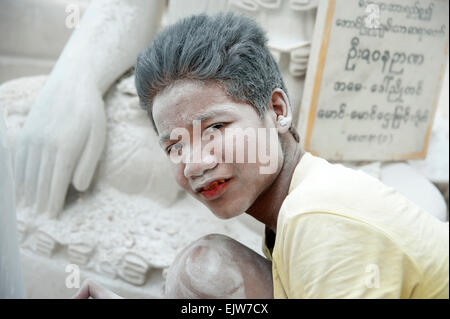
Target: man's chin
{"x":225,"y":214}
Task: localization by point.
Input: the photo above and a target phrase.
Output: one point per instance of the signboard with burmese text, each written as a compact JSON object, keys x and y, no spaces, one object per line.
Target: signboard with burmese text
{"x":374,"y":78}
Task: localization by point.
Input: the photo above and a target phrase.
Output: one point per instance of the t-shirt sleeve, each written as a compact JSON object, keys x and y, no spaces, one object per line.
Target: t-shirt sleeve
{"x":324,"y":255}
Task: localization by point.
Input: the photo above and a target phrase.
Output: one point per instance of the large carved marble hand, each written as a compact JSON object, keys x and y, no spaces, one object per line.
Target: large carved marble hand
{"x":60,"y":143}
{"x":64,"y":134}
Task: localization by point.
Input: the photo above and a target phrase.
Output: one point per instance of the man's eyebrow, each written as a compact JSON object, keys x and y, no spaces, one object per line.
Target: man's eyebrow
{"x":208,"y":115}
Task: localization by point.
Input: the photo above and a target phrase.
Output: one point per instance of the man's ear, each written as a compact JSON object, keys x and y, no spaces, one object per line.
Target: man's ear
{"x":281,"y":110}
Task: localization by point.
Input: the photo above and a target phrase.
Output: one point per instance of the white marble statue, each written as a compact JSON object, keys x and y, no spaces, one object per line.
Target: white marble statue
{"x":71,"y":102}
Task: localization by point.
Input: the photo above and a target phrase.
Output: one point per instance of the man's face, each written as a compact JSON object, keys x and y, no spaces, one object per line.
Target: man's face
{"x":207,"y":113}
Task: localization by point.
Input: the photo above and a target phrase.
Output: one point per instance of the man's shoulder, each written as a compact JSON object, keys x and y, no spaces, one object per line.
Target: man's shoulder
{"x":328,"y":187}
{"x":344,"y":195}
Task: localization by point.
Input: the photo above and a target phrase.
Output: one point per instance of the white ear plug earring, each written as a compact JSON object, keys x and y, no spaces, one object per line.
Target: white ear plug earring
{"x":283,"y":121}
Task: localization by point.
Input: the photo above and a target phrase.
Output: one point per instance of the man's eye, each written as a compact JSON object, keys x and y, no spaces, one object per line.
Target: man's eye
{"x":216,"y":126}
{"x":212,"y":129}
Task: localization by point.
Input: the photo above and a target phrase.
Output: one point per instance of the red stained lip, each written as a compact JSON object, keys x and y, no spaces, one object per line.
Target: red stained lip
{"x":217,"y":191}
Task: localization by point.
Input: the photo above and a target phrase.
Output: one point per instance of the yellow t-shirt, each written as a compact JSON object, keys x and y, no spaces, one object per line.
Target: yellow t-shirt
{"x":343,"y":234}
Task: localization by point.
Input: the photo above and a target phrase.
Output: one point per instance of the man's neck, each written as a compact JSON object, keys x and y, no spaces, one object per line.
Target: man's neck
{"x":267,"y":206}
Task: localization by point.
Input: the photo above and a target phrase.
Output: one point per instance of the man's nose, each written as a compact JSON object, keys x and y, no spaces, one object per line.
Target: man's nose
{"x":197,"y":168}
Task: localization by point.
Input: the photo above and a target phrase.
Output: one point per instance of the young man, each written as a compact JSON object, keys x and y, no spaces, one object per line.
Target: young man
{"x":331,"y":232}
